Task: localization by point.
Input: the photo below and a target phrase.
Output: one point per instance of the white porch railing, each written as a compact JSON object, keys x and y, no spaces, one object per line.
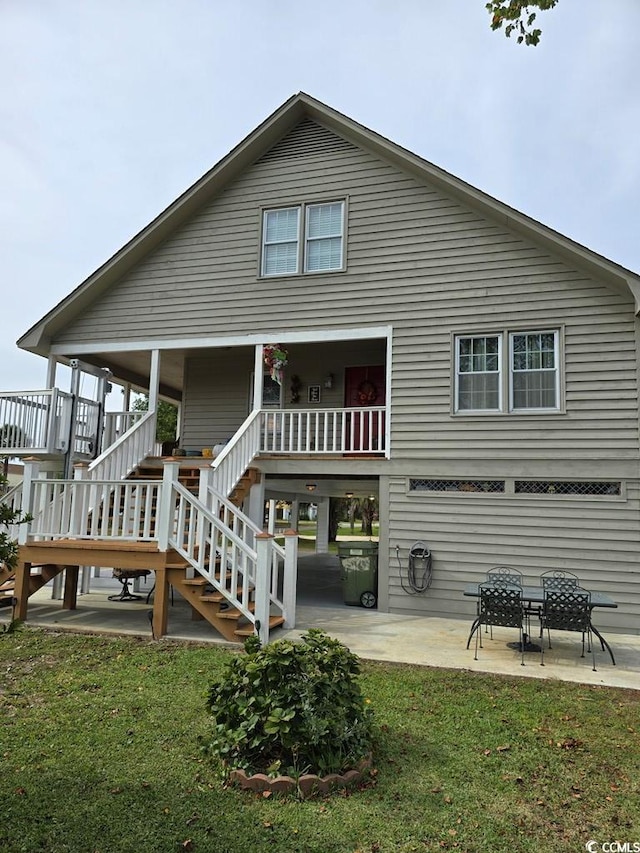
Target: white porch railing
{"x":35,"y":421}
{"x":122,"y":457}
{"x":309,"y":431}
{"x":40,"y":422}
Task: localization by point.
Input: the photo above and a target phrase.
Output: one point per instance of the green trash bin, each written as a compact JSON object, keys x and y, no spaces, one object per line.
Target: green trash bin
{"x":359,"y":565}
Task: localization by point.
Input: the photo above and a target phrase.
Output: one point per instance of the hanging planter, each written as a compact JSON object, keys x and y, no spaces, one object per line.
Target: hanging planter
{"x":276,"y":359}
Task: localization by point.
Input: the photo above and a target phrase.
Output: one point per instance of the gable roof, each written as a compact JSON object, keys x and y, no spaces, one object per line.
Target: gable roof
{"x":250,"y":149}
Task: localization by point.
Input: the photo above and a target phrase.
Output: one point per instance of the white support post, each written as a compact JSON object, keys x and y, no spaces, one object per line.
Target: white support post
{"x":271,"y":523}
{"x":256,"y":504}
{"x":154,"y":380}
{"x":290,"y":580}
{"x":52,"y":365}
{"x":295,"y":513}
{"x":80,"y":472}
{"x":166,"y":508}
{"x":264,"y":542}
{"x":78,"y":503}
{"x":31,"y":472}
{"x":258,"y":377}
{"x":322,"y":527}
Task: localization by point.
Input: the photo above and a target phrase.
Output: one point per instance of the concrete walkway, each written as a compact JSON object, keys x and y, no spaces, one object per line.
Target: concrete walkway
{"x":426,"y":641}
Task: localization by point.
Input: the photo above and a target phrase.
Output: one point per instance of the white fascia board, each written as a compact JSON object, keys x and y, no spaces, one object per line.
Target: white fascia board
{"x":315,"y":336}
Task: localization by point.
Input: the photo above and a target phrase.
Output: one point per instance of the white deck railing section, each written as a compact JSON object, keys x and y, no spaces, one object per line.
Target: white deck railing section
{"x":309,"y":431}
{"x":88,"y":509}
{"x":122,"y":457}
{"x":37,"y":421}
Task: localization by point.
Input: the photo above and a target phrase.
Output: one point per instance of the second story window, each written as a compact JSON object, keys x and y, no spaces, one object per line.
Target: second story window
{"x":307,"y":238}
{"x":508,"y":371}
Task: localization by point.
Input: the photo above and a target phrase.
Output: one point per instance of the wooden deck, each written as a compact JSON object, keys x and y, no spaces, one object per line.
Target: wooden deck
{"x":68,"y":555}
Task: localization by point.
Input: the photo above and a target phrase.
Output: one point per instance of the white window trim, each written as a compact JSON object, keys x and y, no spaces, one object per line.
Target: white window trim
{"x":476,"y":336}
{"x":556,"y":370}
{"x":302,"y":239}
{"x":505,"y":351}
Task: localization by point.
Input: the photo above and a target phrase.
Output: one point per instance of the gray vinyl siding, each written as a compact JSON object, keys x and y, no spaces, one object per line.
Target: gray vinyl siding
{"x":596,"y":538}
{"x":423,"y":263}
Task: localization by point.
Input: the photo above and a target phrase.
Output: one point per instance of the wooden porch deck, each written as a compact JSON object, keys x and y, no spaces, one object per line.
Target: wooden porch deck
{"x":52,"y":557}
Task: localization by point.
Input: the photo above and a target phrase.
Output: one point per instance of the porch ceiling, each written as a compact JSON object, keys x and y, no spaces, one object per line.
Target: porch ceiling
{"x":325,"y":486}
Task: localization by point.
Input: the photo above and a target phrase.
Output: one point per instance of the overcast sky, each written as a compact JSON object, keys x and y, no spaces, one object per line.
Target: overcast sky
{"x":109,"y":109}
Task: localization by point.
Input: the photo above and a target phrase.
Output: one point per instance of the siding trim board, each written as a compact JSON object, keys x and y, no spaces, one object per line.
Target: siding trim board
{"x":249,"y":339}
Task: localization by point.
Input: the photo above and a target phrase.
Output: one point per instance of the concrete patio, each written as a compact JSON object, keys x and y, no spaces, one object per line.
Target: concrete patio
{"x":369,"y":634}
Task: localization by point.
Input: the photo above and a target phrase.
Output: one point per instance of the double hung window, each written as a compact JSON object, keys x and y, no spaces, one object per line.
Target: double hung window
{"x":306,"y":238}
{"x":507,"y":371}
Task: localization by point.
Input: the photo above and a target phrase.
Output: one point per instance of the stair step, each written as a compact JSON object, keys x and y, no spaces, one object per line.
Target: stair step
{"x":248,"y":630}
{"x":233,"y":613}
{"x":217,"y":597}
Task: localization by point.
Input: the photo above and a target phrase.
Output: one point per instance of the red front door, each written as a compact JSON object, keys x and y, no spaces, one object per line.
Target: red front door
{"x":364,"y":388}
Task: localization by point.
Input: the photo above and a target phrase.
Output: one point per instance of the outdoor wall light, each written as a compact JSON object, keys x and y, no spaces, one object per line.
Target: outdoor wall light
{"x":348,"y":494}
{"x":328,"y":382}
{"x":311,"y":487}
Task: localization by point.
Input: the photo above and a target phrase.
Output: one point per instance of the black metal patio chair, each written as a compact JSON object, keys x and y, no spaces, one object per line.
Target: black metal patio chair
{"x":556,"y":579}
{"x":504,"y":574}
{"x":567,"y":610}
{"x":499,"y":604}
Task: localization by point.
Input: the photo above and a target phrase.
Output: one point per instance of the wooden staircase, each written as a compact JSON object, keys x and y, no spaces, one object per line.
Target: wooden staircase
{"x":43,"y":574}
{"x":206,"y":602}
{"x":50,"y":558}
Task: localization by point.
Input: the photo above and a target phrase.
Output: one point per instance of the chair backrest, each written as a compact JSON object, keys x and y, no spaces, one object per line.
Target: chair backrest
{"x":556,"y":579}
{"x":504,"y":575}
{"x":501,"y":604}
{"x":567,"y":609}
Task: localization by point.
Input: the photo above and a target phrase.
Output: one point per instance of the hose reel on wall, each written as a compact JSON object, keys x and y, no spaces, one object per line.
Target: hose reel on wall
{"x":417,"y":577}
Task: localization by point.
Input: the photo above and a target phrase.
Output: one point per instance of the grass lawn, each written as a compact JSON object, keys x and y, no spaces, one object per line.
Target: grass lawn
{"x":101,"y":754}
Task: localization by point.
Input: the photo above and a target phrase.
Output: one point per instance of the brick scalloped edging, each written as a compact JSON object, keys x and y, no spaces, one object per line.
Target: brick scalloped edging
{"x":306,"y":785}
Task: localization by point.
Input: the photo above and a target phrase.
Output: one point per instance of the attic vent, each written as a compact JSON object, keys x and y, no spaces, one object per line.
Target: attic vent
{"x":305,"y":140}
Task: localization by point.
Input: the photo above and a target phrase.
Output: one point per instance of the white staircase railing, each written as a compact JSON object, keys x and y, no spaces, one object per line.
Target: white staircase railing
{"x":13,"y":499}
{"x":117,"y":423}
{"x":121,"y":458}
{"x":232,"y":462}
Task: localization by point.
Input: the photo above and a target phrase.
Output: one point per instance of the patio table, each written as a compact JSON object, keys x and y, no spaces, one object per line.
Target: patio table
{"x":534,"y":595}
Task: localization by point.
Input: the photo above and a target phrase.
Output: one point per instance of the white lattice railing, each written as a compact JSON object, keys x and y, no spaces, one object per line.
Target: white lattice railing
{"x":122,"y":457}
{"x":309,"y":431}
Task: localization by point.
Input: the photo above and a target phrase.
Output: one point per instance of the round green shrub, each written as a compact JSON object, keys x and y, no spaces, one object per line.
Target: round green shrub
{"x":291,"y":708}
